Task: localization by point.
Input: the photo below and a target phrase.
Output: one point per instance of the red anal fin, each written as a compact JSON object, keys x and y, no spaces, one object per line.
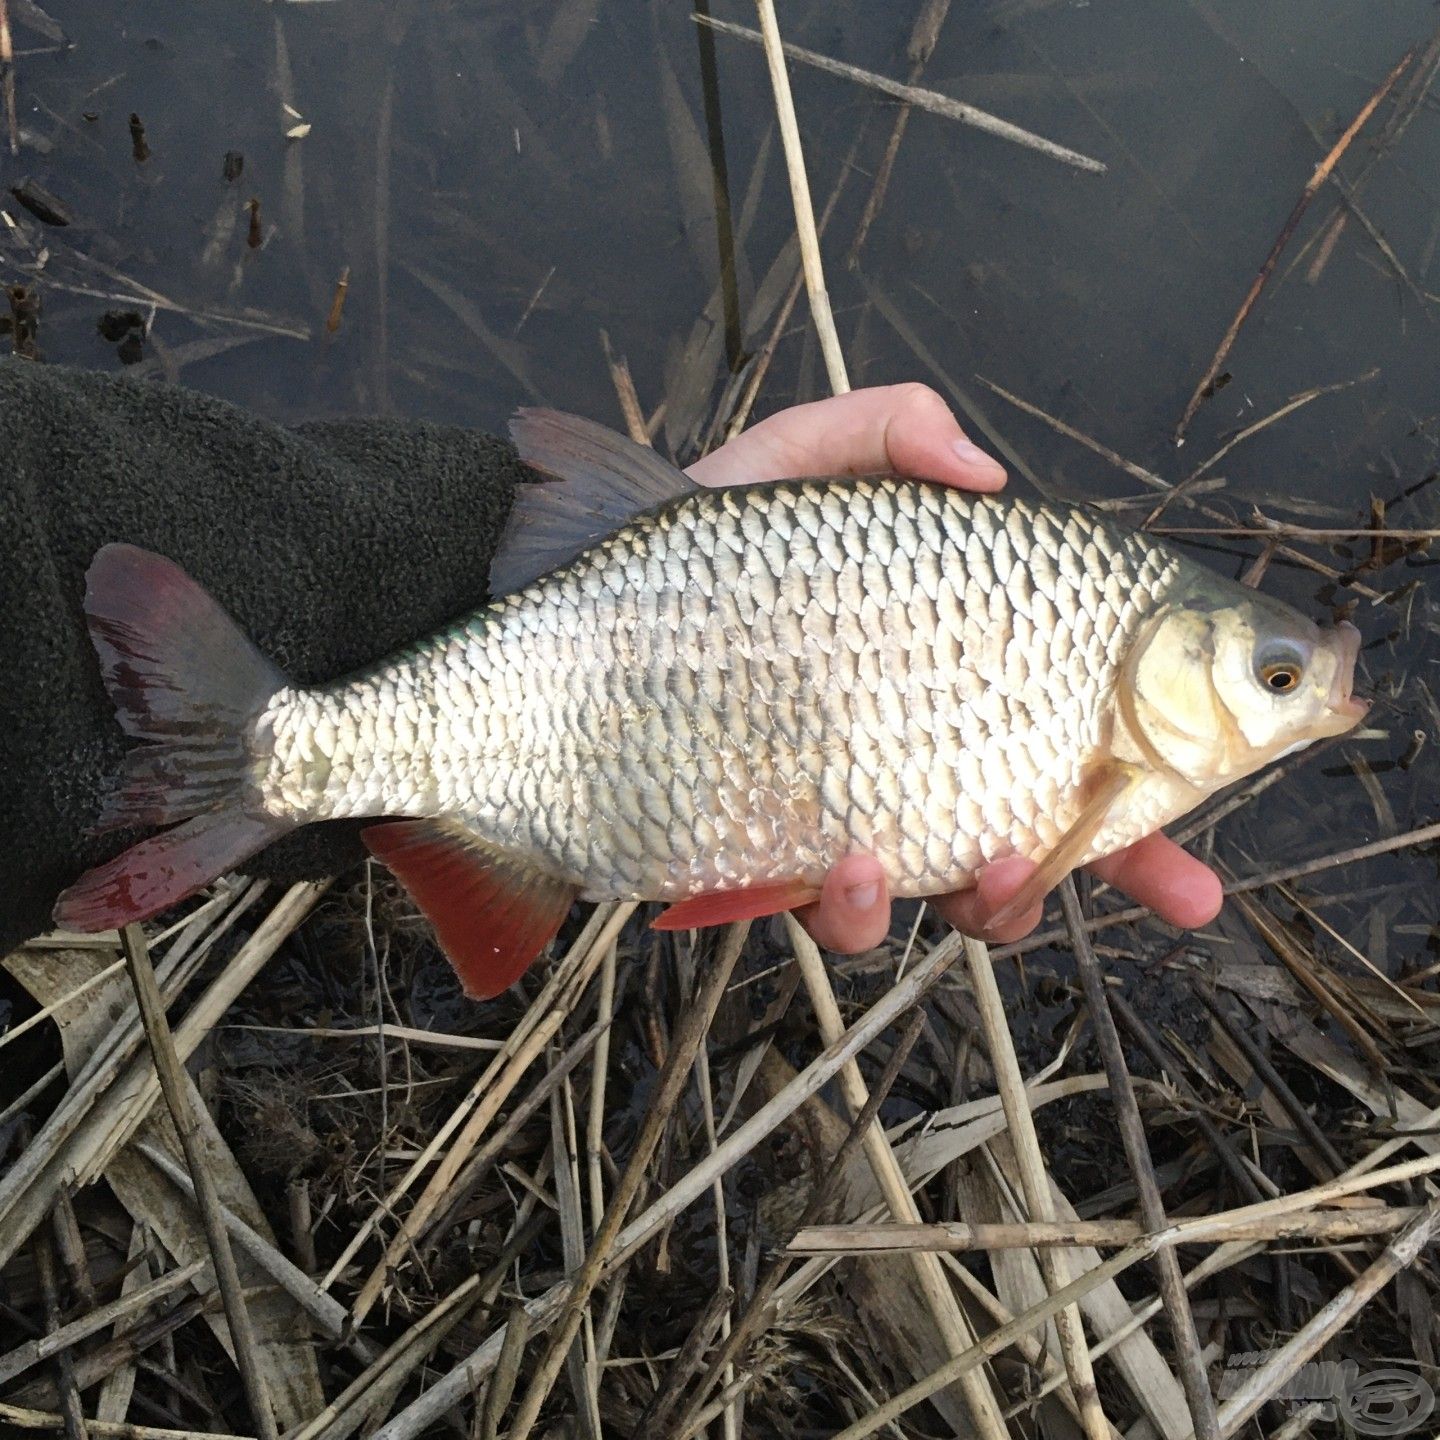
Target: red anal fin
{"x":492,"y":914}
{"x":720,"y":907}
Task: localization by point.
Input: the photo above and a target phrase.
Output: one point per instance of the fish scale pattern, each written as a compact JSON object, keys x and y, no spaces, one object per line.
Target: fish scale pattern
{"x":752,"y":683}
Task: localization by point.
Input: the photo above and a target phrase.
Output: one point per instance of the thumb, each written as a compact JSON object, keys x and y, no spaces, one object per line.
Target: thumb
{"x":853,"y":911}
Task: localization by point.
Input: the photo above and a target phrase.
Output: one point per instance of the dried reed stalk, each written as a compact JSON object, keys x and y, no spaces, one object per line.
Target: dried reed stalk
{"x":1137,"y":1152}
{"x":1034,"y":1181}
{"x":800,"y":199}
{"x":957,"y":1237}
{"x":172,"y":1085}
{"x":949,"y":1318}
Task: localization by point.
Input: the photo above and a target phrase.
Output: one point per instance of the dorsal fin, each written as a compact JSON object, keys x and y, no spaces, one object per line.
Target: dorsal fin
{"x":602,"y":479}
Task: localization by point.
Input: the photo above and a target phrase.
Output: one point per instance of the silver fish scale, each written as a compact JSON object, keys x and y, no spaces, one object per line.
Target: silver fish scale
{"x":751,"y":684}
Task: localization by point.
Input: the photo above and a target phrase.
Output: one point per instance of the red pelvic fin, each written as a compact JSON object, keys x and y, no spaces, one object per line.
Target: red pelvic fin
{"x":720,"y":907}
{"x":492,"y":914}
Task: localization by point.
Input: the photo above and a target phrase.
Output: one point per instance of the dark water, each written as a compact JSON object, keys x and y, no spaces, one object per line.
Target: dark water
{"x":506,"y":182}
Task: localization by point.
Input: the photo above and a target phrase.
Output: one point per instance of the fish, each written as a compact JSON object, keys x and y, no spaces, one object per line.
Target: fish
{"x":706,"y":698}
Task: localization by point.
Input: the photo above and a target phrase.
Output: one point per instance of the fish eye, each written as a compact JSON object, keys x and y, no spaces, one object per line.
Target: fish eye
{"x":1280,"y":669}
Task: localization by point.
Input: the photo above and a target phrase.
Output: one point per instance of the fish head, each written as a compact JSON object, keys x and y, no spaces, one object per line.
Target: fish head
{"x":1224,"y":680}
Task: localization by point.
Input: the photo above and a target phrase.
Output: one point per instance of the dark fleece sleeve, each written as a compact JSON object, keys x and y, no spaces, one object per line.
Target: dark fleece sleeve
{"x":332,"y":544}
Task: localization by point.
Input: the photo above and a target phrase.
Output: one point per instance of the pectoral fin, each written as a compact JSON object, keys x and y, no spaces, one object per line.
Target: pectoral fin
{"x":492,"y":913}
{"x":1113,"y":780}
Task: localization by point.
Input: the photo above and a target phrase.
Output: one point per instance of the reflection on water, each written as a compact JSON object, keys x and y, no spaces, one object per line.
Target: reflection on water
{"x":519,"y":197}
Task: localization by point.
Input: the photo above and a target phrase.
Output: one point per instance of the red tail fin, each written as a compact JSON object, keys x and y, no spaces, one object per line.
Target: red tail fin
{"x":185,"y":677}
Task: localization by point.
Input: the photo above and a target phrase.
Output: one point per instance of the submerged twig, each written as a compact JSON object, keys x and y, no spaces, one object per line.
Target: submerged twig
{"x":924,"y":36}
{"x":923,"y":99}
{"x":1312,"y":187}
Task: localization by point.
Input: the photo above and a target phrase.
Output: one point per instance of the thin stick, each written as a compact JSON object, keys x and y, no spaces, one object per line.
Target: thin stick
{"x":1296,"y":402}
{"x":1264,"y":1381}
{"x":1034,"y":1181}
{"x":599,"y":1075}
{"x":800,"y":198}
{"x":32,"y":1352}
{"x":1137,"y":1152}
{"x":722,"y":1236}
{"x":674,"y":1076}
{"x":1322,"y":171}
{"x":23,"y":1419}
{"x":950,"y":1320}
{"x":931,"y":100}
{"x":956,"y":1237}
{"x":758,"y":1312}
{"x":7,"y":77}
{"x":625,"y":392}
{"x":177,"y":1099}
{"x":924,"y":36}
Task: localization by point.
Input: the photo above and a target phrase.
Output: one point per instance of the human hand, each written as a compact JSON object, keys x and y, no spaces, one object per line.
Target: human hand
{"x":909,"y":430}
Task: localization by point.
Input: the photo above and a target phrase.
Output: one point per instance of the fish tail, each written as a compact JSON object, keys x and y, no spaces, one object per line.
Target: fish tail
{"x":187,"y":681}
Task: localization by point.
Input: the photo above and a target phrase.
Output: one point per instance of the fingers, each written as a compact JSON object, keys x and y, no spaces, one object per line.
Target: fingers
{"x":1157,"y":873}
{"x":1154,"y":872}
{"x":907,"y":429}
{"x":853,"y":911}
{"x":969,"y":911}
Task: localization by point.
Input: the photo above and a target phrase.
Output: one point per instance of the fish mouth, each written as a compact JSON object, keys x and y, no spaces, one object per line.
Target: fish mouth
{"x":1342,"y":703}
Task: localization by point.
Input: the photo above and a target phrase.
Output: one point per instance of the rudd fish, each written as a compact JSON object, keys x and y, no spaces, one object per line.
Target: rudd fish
{"x":708,"y":697}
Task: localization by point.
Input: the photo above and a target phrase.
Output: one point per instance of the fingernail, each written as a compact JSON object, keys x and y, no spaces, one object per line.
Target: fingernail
{"x":864,"y":895}
{"x":974,"y":458}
